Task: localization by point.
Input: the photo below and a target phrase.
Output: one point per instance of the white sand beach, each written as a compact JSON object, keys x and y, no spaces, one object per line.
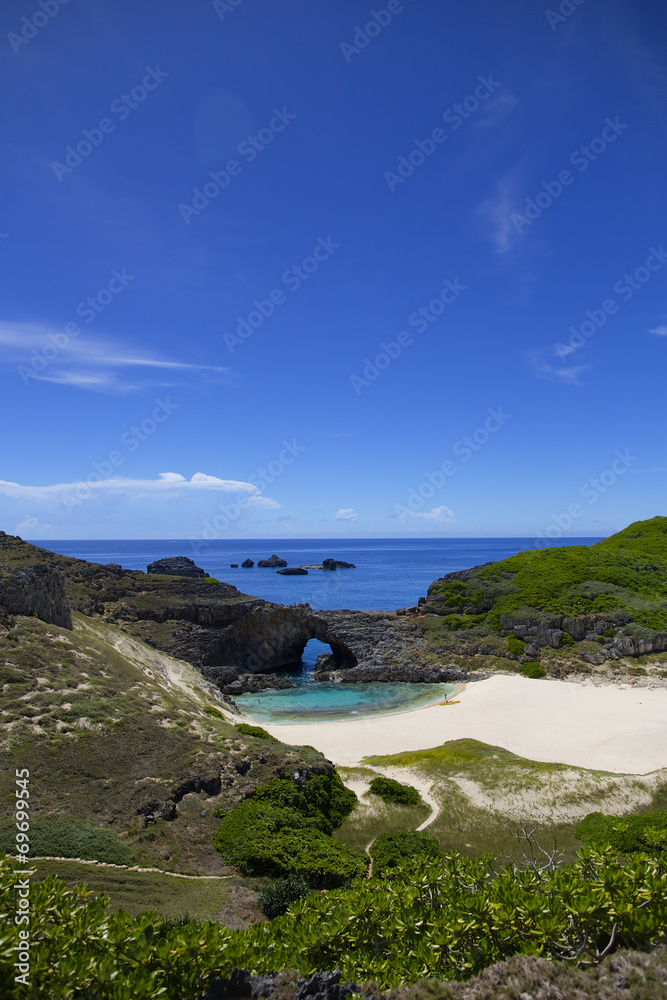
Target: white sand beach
{"x":614,"y":728}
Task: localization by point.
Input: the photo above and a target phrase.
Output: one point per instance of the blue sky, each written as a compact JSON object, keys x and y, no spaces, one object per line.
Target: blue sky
{"x":275,"y":268}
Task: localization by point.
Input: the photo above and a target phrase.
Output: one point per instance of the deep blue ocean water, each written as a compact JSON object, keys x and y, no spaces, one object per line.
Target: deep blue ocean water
{"x":391,"y":572}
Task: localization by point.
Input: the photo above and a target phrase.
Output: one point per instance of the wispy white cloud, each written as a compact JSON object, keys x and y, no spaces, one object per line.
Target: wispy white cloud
{"x":496,"y":213}
{"x":346,"y":514}
{"x":45,"y":353}
{"x":659,"y":331}
{"x":564,"y":376}
{"x":33,"y":527}
{"x":441,"y":515}
{"x":542,"y":367}
{"x":496,"y":111}
{"x":168,"y":482}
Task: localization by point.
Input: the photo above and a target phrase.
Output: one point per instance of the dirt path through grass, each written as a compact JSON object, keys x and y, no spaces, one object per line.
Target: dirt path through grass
{"x":132,"y":868}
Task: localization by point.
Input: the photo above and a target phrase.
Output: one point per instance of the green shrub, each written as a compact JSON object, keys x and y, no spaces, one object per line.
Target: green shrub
{"x":391,"y":851}
{"x":640,"y":832}
{"x":215,"y":712}
{"x":322,"y":799}
{"x":515,"y":646}
{"x":532,"y":668}
{"x":263,"y":839}
{"x":394,"y":791}
{"x":209,"y":579}
{"x":56,"y":837}
{"x":283,"y":830}
{"x":445,"y":920}
{"x":566,"y":639}
{"x":276,"y":897}
{"x":256,"y":731}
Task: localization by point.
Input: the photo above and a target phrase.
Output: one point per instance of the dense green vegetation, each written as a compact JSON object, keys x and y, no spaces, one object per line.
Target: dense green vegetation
{"x":532,"y":668}
{"x":391,"y":851}
{"x":321,"y":798}
{"x":247,"y":730}
{"x":623,"y":577}
{"x":444,"y":919}
{"x":284,"y":830}
{"x":639,"y":832}
{"x":394,"y":791}
{"x":275,"y":898}
{"x":514,"y":646}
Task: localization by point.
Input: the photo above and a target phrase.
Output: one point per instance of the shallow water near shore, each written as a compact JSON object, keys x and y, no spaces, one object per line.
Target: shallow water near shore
{"x":327,"y":701}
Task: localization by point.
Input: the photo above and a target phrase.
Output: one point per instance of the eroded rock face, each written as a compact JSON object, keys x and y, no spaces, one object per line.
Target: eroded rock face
{"x":176,"y":566}
{"x":35,"y":590}
{"x":273,"y":562}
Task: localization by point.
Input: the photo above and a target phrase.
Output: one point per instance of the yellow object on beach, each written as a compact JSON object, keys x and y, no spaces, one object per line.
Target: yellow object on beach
{"x":449,"y":702}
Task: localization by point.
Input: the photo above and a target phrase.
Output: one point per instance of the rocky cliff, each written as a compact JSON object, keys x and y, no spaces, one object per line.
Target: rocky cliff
{"x":35,"y":590}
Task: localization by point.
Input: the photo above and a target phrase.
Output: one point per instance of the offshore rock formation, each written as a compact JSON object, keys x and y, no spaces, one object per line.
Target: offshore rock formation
{"x":273,"y":562}
{"x":36,"y":590}
{"x":176,"y":566}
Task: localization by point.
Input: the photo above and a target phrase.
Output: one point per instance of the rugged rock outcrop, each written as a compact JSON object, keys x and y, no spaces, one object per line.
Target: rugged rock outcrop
{"x":273,"y":562}
{"x":247,"y":564}
{"x":329,"y":564}
{"x":35,"y":590}
{"x":242,"y":986}
{"x":293,"y":571}
{"x":176,"y":566}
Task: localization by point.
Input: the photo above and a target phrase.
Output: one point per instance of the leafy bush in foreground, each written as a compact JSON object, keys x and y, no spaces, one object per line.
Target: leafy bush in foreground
{"x":277,"y":896}
{"x":391,"y":851}
{"x":443,"y":920}
{"x":394,"y":791}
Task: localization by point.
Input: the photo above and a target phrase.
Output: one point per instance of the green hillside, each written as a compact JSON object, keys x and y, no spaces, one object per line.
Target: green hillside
{"x":624,"y":576}
{"x":117,"y":738}
{"x":565,"y":606}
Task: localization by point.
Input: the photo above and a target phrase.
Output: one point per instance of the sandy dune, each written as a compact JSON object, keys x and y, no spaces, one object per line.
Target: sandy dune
{"x":612,"y":728}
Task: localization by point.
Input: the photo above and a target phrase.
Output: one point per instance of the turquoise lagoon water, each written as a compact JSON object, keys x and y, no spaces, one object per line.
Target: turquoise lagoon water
{"x":326,"y":701}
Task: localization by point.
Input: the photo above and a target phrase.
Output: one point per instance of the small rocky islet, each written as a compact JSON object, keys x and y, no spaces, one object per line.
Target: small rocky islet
{"x":276,"y":562}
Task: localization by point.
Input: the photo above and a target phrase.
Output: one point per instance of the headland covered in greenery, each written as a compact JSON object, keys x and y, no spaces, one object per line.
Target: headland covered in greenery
{"x":211,"y":846}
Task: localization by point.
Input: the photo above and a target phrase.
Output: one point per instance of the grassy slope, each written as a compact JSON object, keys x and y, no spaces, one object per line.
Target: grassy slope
{"x":224,"y":898}
{"x":486,"y":792}
{"x":627,"y":571}
{"x":617,"y":587}
{"x":107,"y":725}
